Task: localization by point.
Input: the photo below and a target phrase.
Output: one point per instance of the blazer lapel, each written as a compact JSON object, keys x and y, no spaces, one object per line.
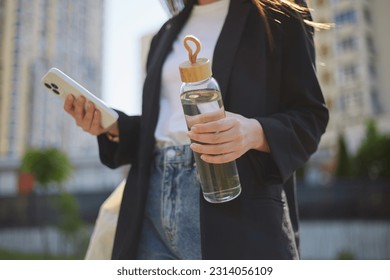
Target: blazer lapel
{"x":228,"y":42}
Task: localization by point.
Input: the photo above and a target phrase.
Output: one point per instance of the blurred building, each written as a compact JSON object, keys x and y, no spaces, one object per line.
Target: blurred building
{"x":353,"y":63}
{"x":35,"y":36}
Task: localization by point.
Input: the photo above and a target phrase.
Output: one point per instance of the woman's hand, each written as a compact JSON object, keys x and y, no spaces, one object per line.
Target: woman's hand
{"x":87,"y":116}
{"x":226,"y":139}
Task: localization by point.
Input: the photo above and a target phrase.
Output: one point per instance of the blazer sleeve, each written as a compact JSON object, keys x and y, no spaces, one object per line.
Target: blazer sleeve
{"x":114,"y":154}
{"x":293,"y":134}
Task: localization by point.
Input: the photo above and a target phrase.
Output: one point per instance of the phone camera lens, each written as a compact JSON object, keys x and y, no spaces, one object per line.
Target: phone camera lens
{"x":56,"y":91}
{"x":48,"y":85}
{"x":54,"y":85}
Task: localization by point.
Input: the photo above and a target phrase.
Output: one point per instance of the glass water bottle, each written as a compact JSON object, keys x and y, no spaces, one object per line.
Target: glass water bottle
{"x":201,"y":99}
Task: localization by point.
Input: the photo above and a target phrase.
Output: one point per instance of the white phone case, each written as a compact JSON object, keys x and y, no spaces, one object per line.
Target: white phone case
{"x":61,"y":85}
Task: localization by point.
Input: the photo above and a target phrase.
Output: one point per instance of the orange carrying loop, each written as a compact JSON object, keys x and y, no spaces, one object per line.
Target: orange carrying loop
{"x":192,"y":56}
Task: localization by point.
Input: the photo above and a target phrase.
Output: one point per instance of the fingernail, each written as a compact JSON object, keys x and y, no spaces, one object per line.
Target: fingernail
{"x":195,"y":145}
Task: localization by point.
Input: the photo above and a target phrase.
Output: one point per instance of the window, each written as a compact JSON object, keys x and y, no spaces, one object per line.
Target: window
{"x":351,"y":102}
{"x":376,"y":104}
{"x":348,"y":73}
{"x":370,"y":44}
{"x":346,"y":18}
{"x":367,"y":15}
{"x":372,"y":70}
{"x":347,"y":44}
{"x":341,"y":105}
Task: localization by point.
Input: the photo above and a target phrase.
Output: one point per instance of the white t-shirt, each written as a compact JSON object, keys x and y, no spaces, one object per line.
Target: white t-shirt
{"x":205,"y":23}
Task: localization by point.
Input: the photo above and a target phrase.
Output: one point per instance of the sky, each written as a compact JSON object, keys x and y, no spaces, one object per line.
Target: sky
{"x":126,"y":21}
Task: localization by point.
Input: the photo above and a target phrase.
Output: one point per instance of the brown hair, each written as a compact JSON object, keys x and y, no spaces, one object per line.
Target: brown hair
{"x":288,"y":7}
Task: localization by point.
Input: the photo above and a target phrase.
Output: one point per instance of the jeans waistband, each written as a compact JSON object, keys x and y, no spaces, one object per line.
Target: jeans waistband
{"x":174,"y":154}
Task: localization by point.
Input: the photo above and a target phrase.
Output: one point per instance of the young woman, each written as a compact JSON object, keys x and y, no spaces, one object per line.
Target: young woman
{"x":263,"y":58}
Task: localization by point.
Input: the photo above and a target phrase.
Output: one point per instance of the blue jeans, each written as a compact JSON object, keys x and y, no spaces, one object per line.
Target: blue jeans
{"x":171,"y":228}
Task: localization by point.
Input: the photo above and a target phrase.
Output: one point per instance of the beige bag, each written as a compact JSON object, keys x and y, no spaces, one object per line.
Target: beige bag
{"x":102,"y":238}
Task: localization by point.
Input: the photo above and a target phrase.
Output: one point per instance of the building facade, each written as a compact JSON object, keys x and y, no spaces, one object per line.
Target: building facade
{"x":35,"y":36}
{"x":352,"y":62}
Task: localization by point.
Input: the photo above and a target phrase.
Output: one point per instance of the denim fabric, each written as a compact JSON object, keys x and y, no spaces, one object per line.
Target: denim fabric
{"x":171,"y":228}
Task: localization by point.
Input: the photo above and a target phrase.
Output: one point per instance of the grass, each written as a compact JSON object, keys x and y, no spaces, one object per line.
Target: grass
{"x":11,"y":255}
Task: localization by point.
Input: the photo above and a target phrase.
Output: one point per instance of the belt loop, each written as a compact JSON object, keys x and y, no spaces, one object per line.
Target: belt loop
{"x":191,"y":154}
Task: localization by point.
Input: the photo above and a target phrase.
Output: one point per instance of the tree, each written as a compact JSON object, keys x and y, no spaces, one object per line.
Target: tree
{"x":51,"y":165}
{"x":373,"y":157}
{"x":343,"y":168}
{"x":47,"y":165}
{"x":70,"y":222}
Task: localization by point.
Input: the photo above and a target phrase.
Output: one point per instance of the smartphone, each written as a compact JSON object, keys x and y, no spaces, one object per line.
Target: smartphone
{"x":61,"y":85}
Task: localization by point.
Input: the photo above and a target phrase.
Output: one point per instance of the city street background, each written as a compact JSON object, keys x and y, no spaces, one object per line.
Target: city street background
{"x":52,"y":182}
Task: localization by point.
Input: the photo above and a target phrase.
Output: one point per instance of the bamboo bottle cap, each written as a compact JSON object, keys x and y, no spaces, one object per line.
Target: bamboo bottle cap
{"x":196,"y":69}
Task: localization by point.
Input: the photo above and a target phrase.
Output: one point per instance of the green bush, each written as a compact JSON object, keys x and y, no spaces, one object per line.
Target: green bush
{"x":47,"y":165}
{"x":373,"y":157}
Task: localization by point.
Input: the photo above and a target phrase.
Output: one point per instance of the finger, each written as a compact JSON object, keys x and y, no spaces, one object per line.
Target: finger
{"x":218,"y":149}
{"x":80,"y":110}
{"x":205,"y":117}
{"x":96,"y":127}
{"x":228,"y":132}
{"x":68,"y":104}
{"x":87,"y":120}
{"x":211,"y":138}
{"x":215,"y":126}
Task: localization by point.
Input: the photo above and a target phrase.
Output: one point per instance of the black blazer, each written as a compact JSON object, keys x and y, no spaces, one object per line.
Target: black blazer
{"x":275,"y":85}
